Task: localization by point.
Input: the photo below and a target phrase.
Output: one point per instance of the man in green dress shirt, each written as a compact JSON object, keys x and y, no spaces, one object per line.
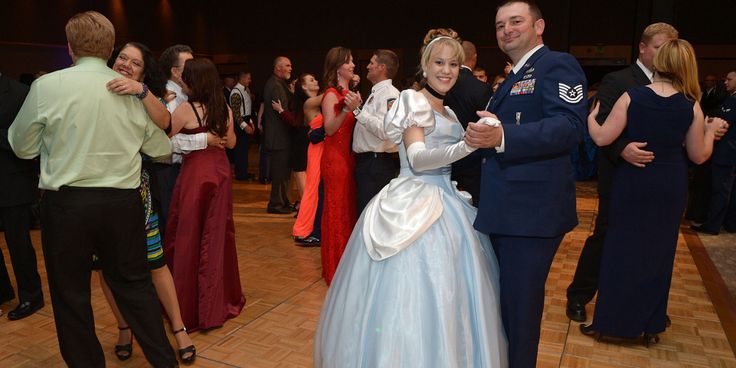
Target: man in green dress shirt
{"x":89,"y":141}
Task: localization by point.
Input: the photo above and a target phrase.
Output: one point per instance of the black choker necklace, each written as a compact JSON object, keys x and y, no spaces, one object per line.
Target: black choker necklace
{"x":433,"y":92}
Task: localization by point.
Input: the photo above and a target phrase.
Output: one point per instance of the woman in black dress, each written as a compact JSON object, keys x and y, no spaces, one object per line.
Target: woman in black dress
{"x":647,"y":203}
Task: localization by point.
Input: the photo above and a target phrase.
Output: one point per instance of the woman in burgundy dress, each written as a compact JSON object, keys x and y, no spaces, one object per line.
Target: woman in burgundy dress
{"x":338,"y":214}
{"x":200,"y":238}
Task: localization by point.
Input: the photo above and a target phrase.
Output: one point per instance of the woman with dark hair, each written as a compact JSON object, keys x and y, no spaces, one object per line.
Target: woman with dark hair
{"x":138,"y":67}
{"x":417,"y":285}
{"x":306,"y":230}
{"x":338,"y":213}
{"x":200,"y":239}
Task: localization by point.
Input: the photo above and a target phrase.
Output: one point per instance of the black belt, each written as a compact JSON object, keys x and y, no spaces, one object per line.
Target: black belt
{"x":374,"y":155}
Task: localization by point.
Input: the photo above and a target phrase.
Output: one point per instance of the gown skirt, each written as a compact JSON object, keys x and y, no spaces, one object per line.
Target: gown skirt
{"x":199,"y":243}
{"x":644,"y":219}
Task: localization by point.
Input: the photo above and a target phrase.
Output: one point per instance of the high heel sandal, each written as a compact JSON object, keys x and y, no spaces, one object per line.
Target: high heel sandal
{"x":124,"y":351}
{"x":589,"y":331}
{"x":184,"y":351}
{"x":650,"y":339}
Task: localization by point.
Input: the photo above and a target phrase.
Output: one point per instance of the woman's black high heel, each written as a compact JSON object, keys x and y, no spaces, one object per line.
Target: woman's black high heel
{"x":187,"y":350}
{"x":125,"y":351}
{"x":589,"y":331}
{"x":650,"y":339}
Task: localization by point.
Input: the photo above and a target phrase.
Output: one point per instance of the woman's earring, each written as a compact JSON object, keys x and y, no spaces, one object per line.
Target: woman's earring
{"x":424,"y":74}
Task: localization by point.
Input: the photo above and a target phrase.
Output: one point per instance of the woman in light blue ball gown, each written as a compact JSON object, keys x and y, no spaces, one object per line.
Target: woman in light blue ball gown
{"x":417,"y":286}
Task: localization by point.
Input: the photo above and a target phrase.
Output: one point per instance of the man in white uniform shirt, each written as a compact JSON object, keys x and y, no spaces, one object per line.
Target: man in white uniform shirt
{"x":376,"y":158}
{"x":241,"y":104}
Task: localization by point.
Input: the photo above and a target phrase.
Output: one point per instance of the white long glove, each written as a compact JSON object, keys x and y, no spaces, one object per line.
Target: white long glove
{"x":421,"y":158}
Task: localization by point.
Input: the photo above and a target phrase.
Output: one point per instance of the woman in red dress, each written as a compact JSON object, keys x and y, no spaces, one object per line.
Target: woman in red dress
{"x":338,"y":214}
{"x":199,"y":242}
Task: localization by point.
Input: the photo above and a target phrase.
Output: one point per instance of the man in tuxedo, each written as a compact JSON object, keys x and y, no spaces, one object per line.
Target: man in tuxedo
{"x":722,"y":211}
{"x":527,"y":200}
{"x":18,"y":190}
{"x":277,"y":136}
{"x":585,"y":281}
{"x":468,"y":96}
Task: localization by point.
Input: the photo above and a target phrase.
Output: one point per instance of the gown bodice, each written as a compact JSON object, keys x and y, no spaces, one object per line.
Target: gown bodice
{"x":446,"y":132}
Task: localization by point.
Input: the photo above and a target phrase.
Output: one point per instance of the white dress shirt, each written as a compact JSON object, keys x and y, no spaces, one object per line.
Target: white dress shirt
{"x":647,"y":72}
{"x":369,"y":135}
{"x":246,"y":108}
{"x":183,"y":143}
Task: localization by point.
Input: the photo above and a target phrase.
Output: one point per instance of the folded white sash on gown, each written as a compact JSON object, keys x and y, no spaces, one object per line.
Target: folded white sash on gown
{"x":401,"y":212}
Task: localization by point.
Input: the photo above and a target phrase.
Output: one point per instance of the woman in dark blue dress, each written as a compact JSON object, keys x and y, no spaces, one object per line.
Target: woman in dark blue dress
{"x":647,"y":203}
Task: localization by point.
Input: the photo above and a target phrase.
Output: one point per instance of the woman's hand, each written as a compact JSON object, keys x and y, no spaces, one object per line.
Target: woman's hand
{"x":353,"y":100}
{"x":717,"y":126}
{"x":594,"y":113}
{"x":276,"y":105}
{"x":125,"y":86}
{"x":215,"y":140}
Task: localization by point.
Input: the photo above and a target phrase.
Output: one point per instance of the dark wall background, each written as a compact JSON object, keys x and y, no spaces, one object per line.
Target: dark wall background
{"x":249,"y":34}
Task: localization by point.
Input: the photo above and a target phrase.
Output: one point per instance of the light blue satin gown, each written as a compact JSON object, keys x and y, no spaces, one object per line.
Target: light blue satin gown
{"x":417,"y":286}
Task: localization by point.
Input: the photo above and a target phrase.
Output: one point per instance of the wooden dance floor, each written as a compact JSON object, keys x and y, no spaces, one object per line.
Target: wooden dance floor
{"x":284,"y":293}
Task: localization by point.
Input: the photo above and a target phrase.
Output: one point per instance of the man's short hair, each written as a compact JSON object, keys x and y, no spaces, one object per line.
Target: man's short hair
{"x":170,"y":58}
{"x":388,"y":58}
{"x":241,"y":74}
{"x":90,"y":34}
{"x":533,"y":7}
{"x":658,"y":28}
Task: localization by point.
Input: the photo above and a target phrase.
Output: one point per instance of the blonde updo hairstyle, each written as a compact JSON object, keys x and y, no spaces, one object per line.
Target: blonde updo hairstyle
{"x":676,"y":61}
{"x":448,"y":38}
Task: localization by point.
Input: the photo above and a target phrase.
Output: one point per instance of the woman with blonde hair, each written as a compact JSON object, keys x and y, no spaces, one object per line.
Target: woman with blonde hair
{"x":647,"y":202}
{"x":417,"y":285}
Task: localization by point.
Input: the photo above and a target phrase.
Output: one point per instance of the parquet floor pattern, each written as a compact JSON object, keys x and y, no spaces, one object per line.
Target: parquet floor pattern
{"x":284,"y":292}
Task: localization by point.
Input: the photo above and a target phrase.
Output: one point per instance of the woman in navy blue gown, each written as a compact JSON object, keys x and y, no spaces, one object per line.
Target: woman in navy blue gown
{"x":647,"y":203}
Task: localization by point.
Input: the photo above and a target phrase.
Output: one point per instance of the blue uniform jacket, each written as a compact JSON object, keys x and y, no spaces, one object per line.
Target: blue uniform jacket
{"x":529,"y":190}
{"x":724,"y":151}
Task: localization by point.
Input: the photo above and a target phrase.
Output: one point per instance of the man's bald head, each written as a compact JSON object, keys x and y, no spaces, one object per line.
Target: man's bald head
{"x":471,"y":54}
{"x":282,"y":67}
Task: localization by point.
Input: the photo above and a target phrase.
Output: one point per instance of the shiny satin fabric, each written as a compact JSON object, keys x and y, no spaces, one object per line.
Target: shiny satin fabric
{"x":417,"y":286}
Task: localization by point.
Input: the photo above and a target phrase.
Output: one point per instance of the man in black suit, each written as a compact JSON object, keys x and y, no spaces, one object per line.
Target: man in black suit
{"x":277,"y":136}
{"x":585,"y":281}
{"x":468,"y":96}
{"x":18,"y":190}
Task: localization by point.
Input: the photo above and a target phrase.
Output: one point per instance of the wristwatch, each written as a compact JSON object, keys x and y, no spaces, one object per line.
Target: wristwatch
{"x":143,"y":94}
{"x":356,"y":111}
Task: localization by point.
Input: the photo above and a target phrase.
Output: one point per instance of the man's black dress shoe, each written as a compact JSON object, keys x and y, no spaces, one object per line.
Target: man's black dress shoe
{"x":576,"y":312}
{"x":24,"y":310}
{"x":703,"y":230}
{"x":278,"y":210}
{"x":309,"y":241}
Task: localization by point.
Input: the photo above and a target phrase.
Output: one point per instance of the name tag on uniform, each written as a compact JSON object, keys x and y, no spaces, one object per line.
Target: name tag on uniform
{"x":523,"y":87}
